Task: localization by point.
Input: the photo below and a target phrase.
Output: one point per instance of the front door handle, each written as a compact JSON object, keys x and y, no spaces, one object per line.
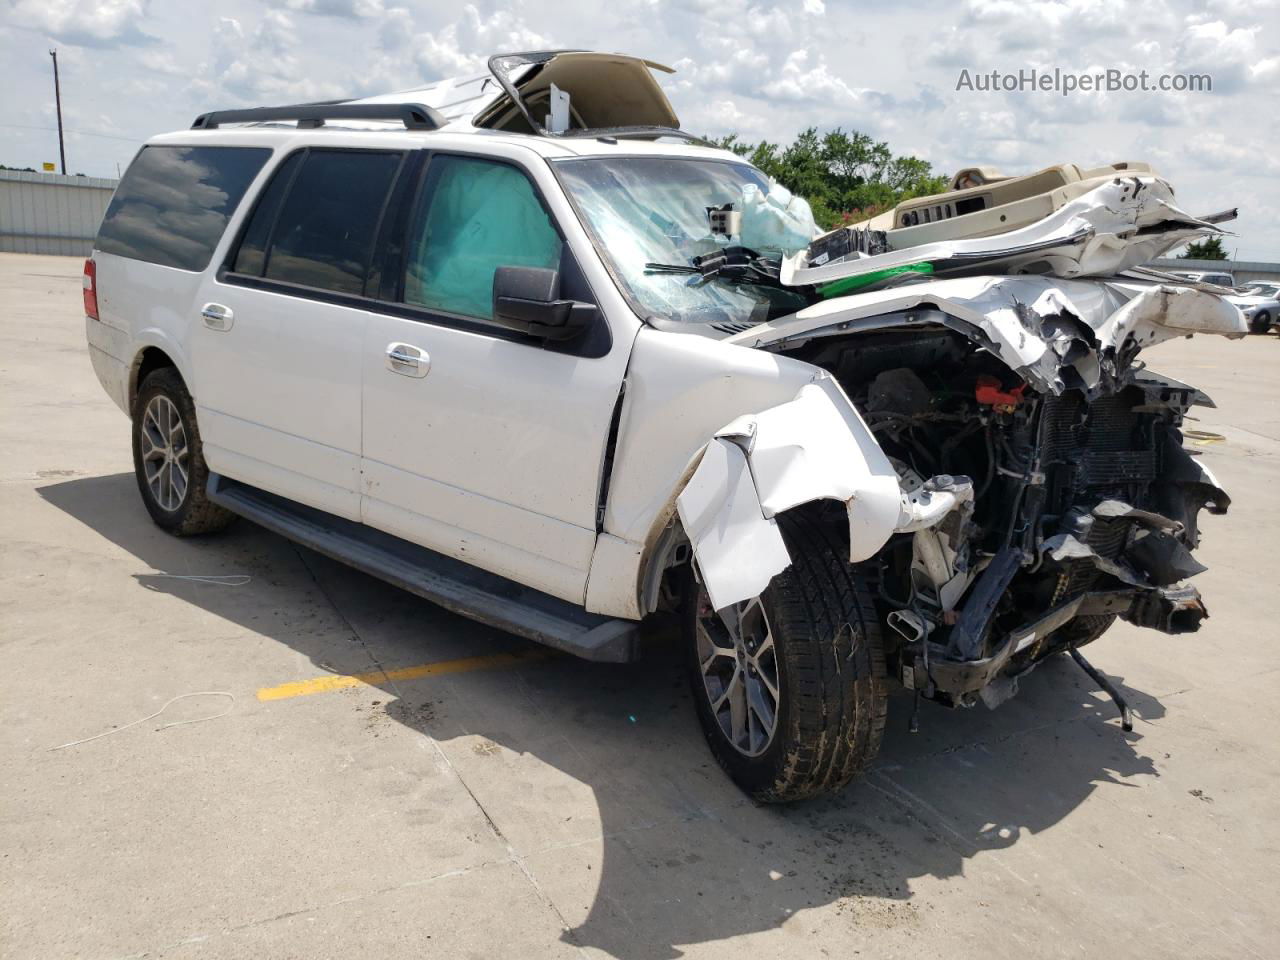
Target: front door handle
{"x":407,"y":360}
{"x":217,"y":317}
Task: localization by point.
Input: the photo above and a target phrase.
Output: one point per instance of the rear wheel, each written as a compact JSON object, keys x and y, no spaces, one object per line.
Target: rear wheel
{"x":790,"y":685}
{"x":1261,"y":322}
{"x":168,"y":459}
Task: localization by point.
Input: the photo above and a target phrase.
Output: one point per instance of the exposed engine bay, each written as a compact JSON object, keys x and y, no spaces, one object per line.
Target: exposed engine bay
{"x":1075,"y":508}
{"x":1014,"y":478}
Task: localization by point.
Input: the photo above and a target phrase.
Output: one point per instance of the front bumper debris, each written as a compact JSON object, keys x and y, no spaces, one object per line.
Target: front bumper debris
{"x":947,"y":670}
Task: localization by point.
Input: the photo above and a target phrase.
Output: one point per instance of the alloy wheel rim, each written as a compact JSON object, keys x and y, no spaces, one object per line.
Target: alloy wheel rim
{"x":165,"y":453}
{"x":739,"y":665}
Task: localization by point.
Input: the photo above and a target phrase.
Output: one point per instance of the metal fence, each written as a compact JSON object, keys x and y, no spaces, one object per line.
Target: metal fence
{"x":50,"y":213}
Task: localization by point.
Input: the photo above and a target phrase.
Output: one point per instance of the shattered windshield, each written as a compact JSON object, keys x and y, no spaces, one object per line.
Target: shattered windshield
{"x":649,"y":217}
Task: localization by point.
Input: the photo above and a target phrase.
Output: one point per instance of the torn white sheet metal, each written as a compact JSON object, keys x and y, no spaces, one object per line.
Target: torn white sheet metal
{"x":814,"y":447}
{"x":1121,"y":224}
{"x":739,"y":550}
{"x":1118,"y":509}
{"x":1065,"y":546}
{"x":603,"y":90}
{"x":1041,"y":327}
{"x":922,"y":509}
{"x":817,"y":447}
{"x":1161,"y":313}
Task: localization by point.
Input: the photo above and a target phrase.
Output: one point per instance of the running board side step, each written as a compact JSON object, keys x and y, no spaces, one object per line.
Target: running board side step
{"x":452,"y":584}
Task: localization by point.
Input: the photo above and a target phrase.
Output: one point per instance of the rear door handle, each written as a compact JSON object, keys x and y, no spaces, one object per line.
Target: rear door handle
{"x":407,"y":360}
{"x":217,"y":317}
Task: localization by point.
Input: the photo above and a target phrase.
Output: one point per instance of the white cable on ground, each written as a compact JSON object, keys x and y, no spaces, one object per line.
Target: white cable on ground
{"x":231,"y":580}
{"x":176,"y":723}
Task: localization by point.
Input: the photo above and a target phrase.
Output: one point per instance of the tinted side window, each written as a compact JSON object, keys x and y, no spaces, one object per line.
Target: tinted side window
{"x":174,"y":202}
{"x":324,"y":234}
{"x":252,"y":255}
{"x":473,"y":217}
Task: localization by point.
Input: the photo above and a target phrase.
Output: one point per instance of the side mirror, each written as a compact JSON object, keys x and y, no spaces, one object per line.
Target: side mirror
{"x":527,"y":299}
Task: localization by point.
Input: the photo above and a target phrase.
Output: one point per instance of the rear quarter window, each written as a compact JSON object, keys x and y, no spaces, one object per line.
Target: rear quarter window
{"x":173,"y":203}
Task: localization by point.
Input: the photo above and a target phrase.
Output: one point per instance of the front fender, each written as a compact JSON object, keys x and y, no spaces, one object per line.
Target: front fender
{"x":814,"y":447}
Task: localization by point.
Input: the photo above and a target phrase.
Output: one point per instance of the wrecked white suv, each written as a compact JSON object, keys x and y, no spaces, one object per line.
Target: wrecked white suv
{"x":518,"y":345}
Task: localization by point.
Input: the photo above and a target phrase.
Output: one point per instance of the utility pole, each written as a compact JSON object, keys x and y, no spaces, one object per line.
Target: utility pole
{"x":57,"y":99}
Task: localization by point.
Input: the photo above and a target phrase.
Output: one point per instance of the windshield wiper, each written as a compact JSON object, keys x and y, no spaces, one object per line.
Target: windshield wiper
{"x":735,"y":264}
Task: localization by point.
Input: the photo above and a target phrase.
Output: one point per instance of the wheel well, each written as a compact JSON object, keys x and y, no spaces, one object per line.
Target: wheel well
{"x":672,"y":550}
{"x":148,"y":361}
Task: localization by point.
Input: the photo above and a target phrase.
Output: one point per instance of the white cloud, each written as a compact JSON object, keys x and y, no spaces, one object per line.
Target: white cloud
{"x":162,"y":62}
{"x":1265,"y":71}
{"x":1222,"y":156}
{"x":763,"y":69}
{"x":463,"y":46}
{"x":85,"y":23}
{"x":353,"y":9}
{"x":1228,"y":54}
{"x":258,"y":64}
{"x":1031,"y":24}
{"x":798,"y":82}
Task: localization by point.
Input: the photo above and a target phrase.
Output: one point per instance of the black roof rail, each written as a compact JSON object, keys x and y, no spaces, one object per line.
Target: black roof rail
{"x":415,"y":116}
{"x":634,"y":133}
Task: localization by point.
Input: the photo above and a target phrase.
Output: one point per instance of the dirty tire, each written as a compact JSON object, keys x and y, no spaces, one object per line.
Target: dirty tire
{"x":831,"y":673}
{"x":192,"y":512}
{"x":1261,"y":322}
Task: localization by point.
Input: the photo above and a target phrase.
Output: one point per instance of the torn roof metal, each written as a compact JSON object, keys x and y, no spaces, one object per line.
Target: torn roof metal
{"x":606,"y":90}
{"x":1123,"y":223}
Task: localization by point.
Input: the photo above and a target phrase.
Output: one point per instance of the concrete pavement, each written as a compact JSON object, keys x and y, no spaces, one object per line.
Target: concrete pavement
{"x":531,"y":806}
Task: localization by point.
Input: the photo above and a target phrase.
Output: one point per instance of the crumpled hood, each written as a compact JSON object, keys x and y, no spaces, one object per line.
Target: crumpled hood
{"x":1057,"y":334}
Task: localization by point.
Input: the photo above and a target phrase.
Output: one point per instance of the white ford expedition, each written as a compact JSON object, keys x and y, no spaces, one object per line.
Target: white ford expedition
{"x":518,"y":345}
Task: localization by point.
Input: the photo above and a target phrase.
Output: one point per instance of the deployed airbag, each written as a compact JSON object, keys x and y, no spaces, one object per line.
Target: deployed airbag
{"x":777,"y":221}
{"x":482,"y":215}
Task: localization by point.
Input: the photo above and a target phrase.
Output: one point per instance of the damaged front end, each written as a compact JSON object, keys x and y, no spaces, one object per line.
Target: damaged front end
{"x":970,"y":415}
{"x":1040,"y":488}
{"x":1086,"y":510}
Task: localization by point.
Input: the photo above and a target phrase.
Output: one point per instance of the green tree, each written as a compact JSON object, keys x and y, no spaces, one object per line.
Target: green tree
{"x":1208,"y":249}
{"x":845,"y":176}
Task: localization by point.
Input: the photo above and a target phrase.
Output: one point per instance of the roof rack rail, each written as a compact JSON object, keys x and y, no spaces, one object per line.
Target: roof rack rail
{"x":415,"y":116}
{"x":632,"y":133}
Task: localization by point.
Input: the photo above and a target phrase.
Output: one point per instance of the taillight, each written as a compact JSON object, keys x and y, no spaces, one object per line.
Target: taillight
{"x":90,"y":283}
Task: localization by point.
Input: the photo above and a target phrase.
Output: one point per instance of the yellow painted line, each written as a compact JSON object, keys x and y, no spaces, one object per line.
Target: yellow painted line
{"x":327,"y":684}
{"x":1203,"y":437}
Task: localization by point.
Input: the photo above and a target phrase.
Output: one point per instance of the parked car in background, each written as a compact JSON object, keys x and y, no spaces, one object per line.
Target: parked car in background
{"x":1260,"y":304}
{"x":1221,"y":279}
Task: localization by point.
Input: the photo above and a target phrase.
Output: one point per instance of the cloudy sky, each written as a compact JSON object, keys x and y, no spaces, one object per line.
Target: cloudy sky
{"x":132,"y":68}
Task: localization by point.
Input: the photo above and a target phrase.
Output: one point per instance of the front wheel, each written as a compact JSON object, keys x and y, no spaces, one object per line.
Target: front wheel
{"x":1261,"y":322}
{"x":790,"y":685}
